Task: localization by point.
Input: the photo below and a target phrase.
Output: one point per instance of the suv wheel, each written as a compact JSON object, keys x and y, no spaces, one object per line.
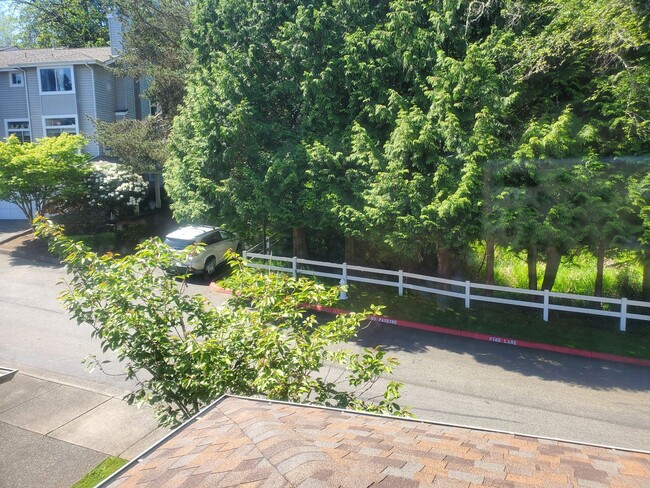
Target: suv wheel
{"x":210,"y":266}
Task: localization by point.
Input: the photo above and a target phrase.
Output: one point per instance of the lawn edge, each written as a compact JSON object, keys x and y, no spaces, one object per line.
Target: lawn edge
{"x":479,"y":336}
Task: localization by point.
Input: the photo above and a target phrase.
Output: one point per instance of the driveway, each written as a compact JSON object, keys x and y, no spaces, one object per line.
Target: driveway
{"x":12,"y":228}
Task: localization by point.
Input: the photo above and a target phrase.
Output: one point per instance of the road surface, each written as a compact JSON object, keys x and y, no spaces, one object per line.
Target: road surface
{"x":446,"y":379}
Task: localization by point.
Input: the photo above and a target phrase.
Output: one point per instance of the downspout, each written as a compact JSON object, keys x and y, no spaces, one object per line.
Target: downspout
{"x":29,"y":109}
{"x":92,"y":77}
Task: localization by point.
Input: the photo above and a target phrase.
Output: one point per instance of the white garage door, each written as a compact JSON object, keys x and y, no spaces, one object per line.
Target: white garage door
{"x":9,"y":211}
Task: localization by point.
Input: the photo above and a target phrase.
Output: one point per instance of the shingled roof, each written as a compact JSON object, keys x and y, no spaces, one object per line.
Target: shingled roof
{"x":19,"y":58}
{"x":249,"y":442}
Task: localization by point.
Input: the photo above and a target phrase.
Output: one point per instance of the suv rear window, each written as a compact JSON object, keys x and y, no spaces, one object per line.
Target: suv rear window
{"x":178,"y":244}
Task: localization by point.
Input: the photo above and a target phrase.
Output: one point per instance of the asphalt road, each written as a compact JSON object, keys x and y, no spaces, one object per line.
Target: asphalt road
{"x":445,"y":378}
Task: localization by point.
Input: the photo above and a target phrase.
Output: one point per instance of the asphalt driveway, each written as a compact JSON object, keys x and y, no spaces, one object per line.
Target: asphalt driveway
{"x":12,"y":228}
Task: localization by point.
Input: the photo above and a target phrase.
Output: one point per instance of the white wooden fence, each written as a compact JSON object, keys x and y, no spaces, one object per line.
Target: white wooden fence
{"x":345,"y":273}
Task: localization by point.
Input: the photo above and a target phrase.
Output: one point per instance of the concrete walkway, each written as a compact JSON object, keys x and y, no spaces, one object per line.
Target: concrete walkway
{"x":53,"y":430}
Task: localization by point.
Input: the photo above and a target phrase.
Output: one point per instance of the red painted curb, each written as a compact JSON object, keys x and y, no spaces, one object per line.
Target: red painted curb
{"x":482,"y":337}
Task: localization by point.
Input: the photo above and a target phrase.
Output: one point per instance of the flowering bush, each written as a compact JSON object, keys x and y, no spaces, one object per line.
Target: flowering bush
{"x":115,"y":188}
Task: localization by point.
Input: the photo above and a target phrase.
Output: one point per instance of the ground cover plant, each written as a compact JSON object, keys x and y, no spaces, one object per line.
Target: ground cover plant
{"x":184,"y":353}
{"x":100,"y":472}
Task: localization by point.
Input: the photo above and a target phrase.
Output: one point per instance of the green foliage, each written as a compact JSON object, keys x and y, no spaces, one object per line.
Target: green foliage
{"x":415,"y":127}
{"x":100,"y":242}
{"x":9,"y":26}
{"x":154,"y":48}
{"x":36,"y":175}
{"x":139,"y":144}
{"x":53,"y":23}
{"x":100,"y":472}
{"x":185,"y":353}
{"x":622,"y":273}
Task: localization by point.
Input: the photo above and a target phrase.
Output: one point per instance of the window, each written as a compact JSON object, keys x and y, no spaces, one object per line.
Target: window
{"x":55,"y":126}
{"x":211,"y":239}
{"x":55,"y":80}
{"x":18,"y":128}
{"x":16,"y":79}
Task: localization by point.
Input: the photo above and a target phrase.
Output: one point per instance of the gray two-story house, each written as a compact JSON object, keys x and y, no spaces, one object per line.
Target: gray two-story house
{"x":44,"y":92}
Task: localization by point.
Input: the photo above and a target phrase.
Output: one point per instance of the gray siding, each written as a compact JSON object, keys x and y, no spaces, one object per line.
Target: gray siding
{"x":105,"y":93}
{"x":59,"y":103}
{"x":13,"y":102}
{"x":105,"y":96}
{"x":35,"y":106}
{"x":120,"y":95}
{"x":86,"y":105}
{"x":145,"y":103}
{"x":130,"y":92}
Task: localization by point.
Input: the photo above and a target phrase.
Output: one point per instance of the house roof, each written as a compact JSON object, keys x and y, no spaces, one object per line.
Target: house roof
{"x":243,"y":441}
{"x":58,"y":56}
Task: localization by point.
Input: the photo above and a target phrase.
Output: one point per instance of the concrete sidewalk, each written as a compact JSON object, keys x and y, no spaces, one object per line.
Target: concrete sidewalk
{"x":53,"y":431}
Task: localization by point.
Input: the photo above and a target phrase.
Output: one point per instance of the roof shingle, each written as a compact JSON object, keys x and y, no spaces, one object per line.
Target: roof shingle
{"x":36,"y":57}
{"x":252,"y":442}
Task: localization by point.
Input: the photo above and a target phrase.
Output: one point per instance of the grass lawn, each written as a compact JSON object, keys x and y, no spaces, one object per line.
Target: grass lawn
{"x":563,"y":329}
{"x":107,"y":467}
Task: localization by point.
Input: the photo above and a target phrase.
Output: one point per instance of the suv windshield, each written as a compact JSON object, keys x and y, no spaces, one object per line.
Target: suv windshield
{"x":178,"y":244}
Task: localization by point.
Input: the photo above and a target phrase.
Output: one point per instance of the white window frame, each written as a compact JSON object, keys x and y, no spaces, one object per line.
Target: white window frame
{"x":49,"y":117}
{"x":40,"y":83}
{"x":7,"y":121}
{"x":11,"y":81}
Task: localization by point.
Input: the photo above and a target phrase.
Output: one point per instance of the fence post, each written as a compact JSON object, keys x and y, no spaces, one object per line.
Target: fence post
{"x":245,"y":255}
{"x":623,"y":314}
{"x":546,"y":300}
{"x":294,"y":266}
{"x":467,"y":293}
{"x":343,"y":295}
{"x":401,"y":282}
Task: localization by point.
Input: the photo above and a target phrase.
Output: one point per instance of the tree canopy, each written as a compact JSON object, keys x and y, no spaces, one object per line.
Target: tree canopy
{"x":36,"y":175}
{"x":61,"y":23}
{"x":385,"y":122}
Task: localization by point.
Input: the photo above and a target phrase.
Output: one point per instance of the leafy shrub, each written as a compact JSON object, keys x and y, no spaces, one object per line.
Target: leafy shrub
{"x":115,"y":188}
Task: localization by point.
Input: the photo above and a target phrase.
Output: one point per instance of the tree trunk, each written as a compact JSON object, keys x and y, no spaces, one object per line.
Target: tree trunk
{"x":489,"y":261}
{"x":350,"y":250}
{"x":646,"y":275}
{"x":531,"y":260}
{"x":444,"y":262}
{"x":553,"y":258}
{"x":600,"y":266}
{"x":299,"y":242}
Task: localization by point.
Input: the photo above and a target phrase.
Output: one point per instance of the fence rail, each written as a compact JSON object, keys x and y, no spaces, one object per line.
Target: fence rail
{"x":462,"y":289}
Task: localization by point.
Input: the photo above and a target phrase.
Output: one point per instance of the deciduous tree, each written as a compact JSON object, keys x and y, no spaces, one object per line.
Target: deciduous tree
{"x":34,"y":175}
{"x":184,"y":352}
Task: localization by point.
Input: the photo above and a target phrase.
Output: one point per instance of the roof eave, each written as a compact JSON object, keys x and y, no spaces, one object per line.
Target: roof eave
{"x":57,"y":62}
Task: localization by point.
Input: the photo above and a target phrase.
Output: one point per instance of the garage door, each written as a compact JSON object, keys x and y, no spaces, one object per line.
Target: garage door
{"x":9,"y":211}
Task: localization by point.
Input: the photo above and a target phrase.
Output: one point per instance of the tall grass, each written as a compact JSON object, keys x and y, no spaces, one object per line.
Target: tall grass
{"x":622,"y":277}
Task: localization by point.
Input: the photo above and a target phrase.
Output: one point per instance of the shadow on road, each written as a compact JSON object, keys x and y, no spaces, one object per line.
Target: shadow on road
{"x":592,"y":373}
{"x":222,"y":271}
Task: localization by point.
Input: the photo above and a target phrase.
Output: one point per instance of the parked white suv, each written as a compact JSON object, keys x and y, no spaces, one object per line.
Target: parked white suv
{"x":217,"y":241}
